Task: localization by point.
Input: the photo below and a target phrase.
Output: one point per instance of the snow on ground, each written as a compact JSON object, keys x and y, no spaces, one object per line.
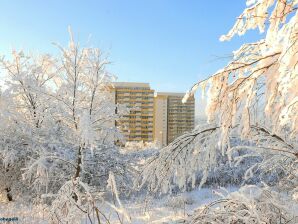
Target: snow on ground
{"x":142,"y":210}
{"x":168,"y":209}
{"x":26,"y":214}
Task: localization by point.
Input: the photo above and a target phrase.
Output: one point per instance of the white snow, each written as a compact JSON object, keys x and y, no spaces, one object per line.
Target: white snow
{"x":143,"y":209}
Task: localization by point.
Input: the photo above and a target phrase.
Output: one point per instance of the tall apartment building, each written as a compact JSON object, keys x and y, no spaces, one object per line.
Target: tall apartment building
{"x":171,"y":117}
{"x":139,"y":97}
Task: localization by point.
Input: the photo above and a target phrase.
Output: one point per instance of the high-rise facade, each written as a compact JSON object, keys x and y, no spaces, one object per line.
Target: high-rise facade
{"x":172,"y":117}
{"x":139,"y":98}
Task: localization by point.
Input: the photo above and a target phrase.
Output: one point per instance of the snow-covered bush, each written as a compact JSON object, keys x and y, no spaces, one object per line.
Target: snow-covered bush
{"x":139,"y":146}
{"x":179,"y":201}
{"x":250,"y":204}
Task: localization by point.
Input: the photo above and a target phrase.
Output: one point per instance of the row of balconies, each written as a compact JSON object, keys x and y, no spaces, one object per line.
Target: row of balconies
{"x":180,"y":119}
{"x":133,"y":103}
{"x":138,"y":128}
{"x":181,"y":108}
{"x":181,"y":124}
{"x":133,"y":93}
{"x":145,"y":116}
{"x":138,"y":136}
{"x":143,"y":121}
{"x":121,"y":97}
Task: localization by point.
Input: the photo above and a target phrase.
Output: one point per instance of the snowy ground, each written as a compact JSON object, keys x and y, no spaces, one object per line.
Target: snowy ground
{"x":168,"y":209}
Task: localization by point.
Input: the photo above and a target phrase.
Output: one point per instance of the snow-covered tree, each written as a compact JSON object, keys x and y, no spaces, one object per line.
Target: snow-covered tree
{"x":254,"y":98}
{"x":24,"y":115}
{"x":58,"y":130}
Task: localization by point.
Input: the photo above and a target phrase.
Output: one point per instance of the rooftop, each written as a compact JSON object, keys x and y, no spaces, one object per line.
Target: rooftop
{"x":169,"y":94}
{"x":131,"y":84}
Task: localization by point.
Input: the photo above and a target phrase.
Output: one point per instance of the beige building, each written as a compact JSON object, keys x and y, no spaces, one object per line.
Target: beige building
{"x":139,"y":98}
{"x":171,"y":117}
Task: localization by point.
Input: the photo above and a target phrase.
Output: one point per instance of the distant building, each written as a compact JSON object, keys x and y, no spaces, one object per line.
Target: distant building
{"x":171,"y":117}
{"x":139,"y":97}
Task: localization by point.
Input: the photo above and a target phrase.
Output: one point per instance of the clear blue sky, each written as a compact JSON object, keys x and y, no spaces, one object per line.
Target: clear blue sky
{"x":169,"y":43}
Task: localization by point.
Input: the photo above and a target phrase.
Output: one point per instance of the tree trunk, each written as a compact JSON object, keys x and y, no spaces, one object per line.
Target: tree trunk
{"x":78,"y":169}
{"x":79,"y":163}
{"x":8,"y":194}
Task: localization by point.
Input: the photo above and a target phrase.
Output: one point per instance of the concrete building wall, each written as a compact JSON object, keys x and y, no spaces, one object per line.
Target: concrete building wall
{"x":160,"y":119}
{"x":138,"y":97}
{"x":171,"y":117}
{"x":181,"y":116}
